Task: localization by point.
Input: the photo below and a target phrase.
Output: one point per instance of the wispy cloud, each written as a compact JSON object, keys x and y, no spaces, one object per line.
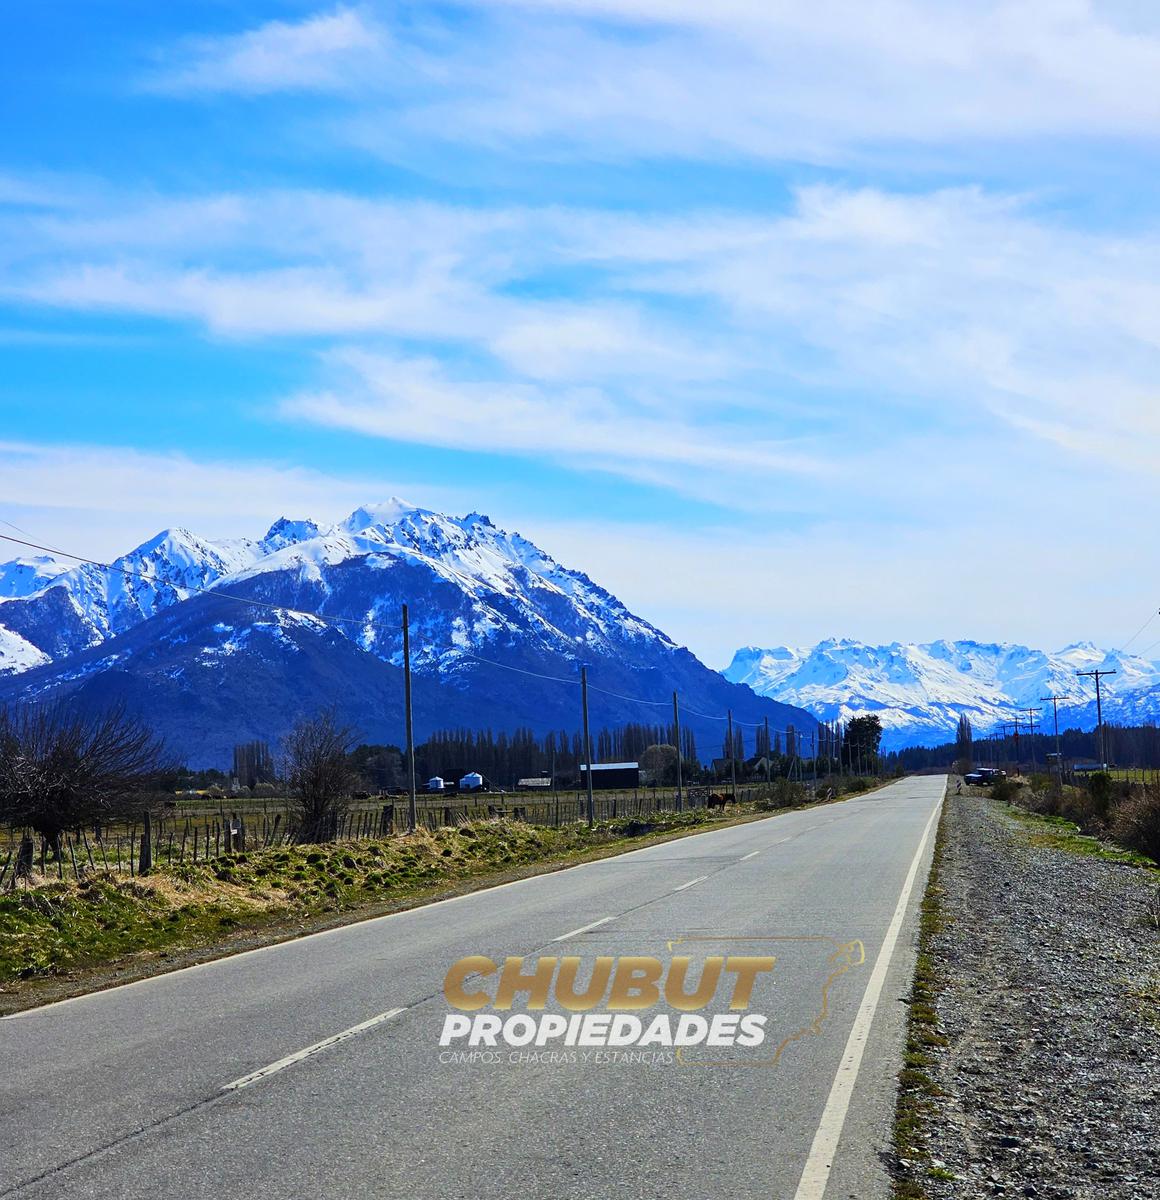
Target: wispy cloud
{"x":855,"y":309}
{"x":54,"y":490}
{"x":417,"y":401}
{"x":773,"y":80}
{"x":328,"y":51}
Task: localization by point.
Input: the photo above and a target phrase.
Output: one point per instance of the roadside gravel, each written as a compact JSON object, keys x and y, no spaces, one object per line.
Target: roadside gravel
{"x":1049,"y":969}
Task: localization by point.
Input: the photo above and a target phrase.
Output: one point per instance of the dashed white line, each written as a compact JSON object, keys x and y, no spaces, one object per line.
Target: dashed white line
{"x":583,"y":929}
{"x":752,"y":854}
{"x":699,"y":879}
{"x":325,"y":1044}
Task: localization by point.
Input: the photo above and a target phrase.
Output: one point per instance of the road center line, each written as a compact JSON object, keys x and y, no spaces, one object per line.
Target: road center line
{"x":583,"y":929}
{"x":816,"y":1173}
{"x":318,"y":1047}
{"x":751,"y":854}
{"x":699,"y":879}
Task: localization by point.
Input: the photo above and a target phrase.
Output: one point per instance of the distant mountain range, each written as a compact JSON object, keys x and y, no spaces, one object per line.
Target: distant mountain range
{"x":919,"y":691}
{"x":214,"y":643}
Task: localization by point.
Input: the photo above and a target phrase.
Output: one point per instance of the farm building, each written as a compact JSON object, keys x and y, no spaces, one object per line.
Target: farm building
{"x":538,"y":783}
{"x":611,"y":775}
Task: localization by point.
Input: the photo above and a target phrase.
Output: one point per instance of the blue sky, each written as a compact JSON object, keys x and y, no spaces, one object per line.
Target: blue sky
{"x":777,"y":322}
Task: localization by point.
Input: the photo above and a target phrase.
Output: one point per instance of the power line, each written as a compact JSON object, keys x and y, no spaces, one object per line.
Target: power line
{"x":362,"y":623}
{"x":1140,"y":631}
{"x":129,"y":573}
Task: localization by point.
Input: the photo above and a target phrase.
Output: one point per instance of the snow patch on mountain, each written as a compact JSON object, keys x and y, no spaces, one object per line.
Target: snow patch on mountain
{"x":500,"y":584}
{"x":24,"y":576}
{"x":17,"y":654}
{"x":919,"y":690}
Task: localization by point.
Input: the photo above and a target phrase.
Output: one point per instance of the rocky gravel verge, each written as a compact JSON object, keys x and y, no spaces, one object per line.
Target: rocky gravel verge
{"x":1038,"y":1070}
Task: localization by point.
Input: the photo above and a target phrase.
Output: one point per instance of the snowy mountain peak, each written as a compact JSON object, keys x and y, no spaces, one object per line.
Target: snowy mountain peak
{"x":499,"y":584}
{"x":285,"y":532}
{"x":920,"y":690}
{"x":496,"y":626}
{"x":23,"y":576}
{"x":386,"y":514}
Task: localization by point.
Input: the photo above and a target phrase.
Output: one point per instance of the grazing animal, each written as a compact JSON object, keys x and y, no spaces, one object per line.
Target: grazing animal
{"x":716,"y":800}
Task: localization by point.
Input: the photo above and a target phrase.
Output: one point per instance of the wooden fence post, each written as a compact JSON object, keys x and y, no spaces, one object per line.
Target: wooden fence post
{"x":145,"y":862}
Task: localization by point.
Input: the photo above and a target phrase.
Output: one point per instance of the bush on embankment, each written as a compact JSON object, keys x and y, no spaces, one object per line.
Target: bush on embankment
{"x":1125,"y":813}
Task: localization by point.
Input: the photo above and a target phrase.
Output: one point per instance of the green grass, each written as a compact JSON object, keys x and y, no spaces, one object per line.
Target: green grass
{"x":918,"y":1094}
{"x":61,"y":927}
{"x":1058,"y":833}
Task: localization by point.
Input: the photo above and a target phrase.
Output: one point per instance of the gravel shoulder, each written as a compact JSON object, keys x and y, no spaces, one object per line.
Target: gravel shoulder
{"x":1042,"y":1077}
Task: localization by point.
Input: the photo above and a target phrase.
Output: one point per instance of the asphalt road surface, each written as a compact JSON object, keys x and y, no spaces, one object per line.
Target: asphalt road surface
{"x":126,"y":1093}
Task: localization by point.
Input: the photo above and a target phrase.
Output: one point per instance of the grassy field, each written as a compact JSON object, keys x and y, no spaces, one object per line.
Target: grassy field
{"x":66,"y":926}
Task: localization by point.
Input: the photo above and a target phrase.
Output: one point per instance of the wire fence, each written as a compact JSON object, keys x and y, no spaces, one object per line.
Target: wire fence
{"x":168,"y":836}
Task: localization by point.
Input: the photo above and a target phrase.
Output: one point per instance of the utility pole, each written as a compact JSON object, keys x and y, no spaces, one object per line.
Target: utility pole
{"x":768,"y":753}
{"x":1055,"y":710}
{"x":732,"y":757}
{"x":413,"y":808}
{"x":677,"y":735}
{"x":587,"y":745}
{"x":1031,"y":736}
{"x":814,"y":751}
{"x":1101,"y":740}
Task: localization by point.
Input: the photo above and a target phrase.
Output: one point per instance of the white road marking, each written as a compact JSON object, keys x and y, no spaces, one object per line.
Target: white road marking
{"x":583,"y":929}
{"x":318,"y":1047}
{"x":226,"y":959}
{"x":746,"y":857}
{"x":812,"y":1185}
{"x":699,"y":879}
{"x":784,"y":839}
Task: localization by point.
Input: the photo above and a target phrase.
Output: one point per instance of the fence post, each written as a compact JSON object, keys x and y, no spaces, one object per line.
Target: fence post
{"x":145,"y":862}
{"x":24,"y":858}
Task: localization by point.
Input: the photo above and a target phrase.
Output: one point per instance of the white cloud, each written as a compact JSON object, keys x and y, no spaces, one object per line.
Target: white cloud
{"x":328,"y":51}
{"x":100,"y":500}
{"x":656,"y":78}
{"x":775,"y":78}
{"x":947,"y":310}
{"x":416,"y":401}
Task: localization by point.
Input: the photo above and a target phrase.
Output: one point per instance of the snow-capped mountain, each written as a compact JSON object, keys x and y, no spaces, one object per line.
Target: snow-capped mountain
{"x":224,"y":641}
{"x":919,"y":691}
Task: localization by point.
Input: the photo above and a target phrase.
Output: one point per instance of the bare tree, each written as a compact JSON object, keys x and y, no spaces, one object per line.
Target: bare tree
{"x":62,"y":767}
{"x":318,"y":771}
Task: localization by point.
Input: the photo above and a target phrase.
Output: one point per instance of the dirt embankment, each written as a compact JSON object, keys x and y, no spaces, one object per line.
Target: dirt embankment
{"x":1038,"y":1058}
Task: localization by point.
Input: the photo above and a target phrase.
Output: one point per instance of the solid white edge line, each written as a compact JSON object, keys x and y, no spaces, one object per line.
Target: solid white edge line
{"x":699,"y":879}
{"x":299,"y":1055}
{"x":583,"y":929}
{"x":816,"y":1173}
{"x":406,"y":912}
{"x":747,"y":857}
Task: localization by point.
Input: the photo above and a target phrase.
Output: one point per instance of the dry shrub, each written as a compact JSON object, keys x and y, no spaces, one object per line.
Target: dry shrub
{"x":1136,"y":823}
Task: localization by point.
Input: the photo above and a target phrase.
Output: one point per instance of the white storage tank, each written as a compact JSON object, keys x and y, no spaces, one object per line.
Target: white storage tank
{"x":471,"y":782}
{"x":435,"y":783}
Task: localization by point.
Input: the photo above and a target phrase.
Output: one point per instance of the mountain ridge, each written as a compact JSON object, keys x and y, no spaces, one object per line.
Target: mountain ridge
{"x":919,"y":690}
{"x":220,"y":642}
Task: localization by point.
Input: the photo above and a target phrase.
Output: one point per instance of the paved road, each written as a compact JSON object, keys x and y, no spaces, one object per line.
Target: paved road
{"x":122,"y":1093}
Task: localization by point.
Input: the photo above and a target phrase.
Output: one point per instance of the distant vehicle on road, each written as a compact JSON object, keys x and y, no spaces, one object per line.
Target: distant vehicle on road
{"x":982,"y":776}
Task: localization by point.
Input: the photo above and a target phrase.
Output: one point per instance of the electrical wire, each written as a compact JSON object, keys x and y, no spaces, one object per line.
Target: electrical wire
{"x":1140,"y":631}
{"x":129,"y":573}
